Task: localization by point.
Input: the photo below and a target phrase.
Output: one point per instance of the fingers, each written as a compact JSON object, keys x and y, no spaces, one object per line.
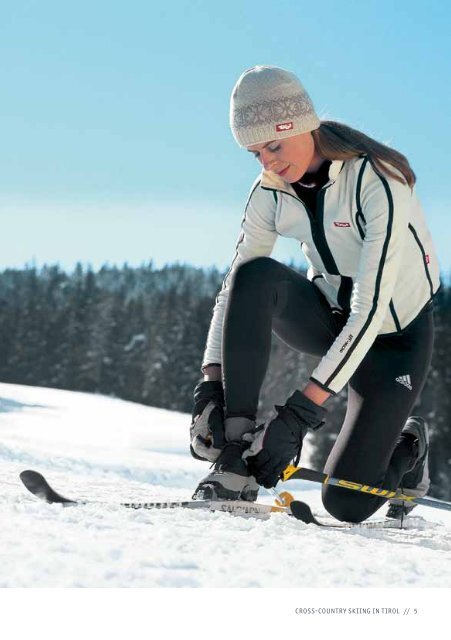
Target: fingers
{"x":216,"y":427}
{"x":265,"y":468}
{"x":207,"y":433}
{"x":204,"y":450}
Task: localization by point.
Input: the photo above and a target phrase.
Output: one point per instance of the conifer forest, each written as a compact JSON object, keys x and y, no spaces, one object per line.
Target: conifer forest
{"x":139,"y":334}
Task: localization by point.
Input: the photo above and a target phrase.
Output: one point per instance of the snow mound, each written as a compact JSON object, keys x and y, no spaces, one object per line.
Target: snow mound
{"x":109,"y":450}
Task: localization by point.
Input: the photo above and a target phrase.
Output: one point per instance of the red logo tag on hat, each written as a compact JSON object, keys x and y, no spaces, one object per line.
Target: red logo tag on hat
{"x":427,"y":259}
{"x":342,"y":224}
{"x":284,"y":126}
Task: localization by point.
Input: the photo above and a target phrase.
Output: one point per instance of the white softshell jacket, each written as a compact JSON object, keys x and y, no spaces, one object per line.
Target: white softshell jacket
{"x":368,"y":249}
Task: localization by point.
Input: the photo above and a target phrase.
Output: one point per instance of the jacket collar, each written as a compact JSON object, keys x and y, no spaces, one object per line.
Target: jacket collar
{"x":270,"y":180}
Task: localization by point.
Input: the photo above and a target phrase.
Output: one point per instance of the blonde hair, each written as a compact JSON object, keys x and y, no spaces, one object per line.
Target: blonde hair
{"x":336,"y":141}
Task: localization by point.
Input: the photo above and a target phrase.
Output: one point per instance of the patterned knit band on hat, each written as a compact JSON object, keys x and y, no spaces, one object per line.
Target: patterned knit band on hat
{"x":269,"y":103}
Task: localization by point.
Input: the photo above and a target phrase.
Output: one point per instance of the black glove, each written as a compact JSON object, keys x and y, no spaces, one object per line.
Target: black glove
{"x":279,"y":440}
{"x":207,"y":424}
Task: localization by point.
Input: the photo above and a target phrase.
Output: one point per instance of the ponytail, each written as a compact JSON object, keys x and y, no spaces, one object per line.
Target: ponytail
{"x":336,"y":141}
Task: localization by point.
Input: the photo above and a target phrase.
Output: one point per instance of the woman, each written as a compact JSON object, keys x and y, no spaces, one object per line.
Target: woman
{"x":365,"y":307}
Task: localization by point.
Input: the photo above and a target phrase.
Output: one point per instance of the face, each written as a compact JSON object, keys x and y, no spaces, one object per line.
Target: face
{"x":290,"y":158}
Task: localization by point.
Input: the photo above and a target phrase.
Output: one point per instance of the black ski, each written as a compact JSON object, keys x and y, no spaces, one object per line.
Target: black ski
{"x":38,"y":486}
{"x":301,"y":511}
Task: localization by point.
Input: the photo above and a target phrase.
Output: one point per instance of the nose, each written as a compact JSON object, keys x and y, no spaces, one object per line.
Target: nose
{"x":266,"y":160}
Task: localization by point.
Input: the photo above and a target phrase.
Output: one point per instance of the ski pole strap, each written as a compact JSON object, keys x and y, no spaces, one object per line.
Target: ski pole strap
{"x":301,"y":473}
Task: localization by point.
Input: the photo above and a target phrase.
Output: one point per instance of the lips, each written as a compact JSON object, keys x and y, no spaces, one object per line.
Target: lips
{"x":283,"y":172}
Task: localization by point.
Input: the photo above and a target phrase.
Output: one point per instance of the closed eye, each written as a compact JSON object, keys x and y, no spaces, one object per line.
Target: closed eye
{"x":256,"y":154}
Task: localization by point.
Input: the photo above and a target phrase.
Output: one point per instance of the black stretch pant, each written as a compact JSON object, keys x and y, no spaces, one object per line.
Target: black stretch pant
{"x":267,"y":296}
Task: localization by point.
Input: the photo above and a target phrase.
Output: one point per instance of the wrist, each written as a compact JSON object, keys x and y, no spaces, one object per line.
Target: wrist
{"x":315,"y":393}
{"x":212,"y":372}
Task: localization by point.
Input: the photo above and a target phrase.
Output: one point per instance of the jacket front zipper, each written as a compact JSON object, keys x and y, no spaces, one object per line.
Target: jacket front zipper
{"x":317,"y":227}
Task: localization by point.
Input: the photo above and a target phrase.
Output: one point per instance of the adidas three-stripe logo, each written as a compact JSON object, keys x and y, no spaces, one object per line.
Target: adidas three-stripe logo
{"x":406,"y":381}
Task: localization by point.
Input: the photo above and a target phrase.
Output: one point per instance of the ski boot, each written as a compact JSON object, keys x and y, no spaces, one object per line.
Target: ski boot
{"x":415,"y":481}
{"x":230,"y":478}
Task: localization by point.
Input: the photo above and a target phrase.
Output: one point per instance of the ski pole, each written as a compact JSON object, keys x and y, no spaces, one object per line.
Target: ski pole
{"x":301,"y":473}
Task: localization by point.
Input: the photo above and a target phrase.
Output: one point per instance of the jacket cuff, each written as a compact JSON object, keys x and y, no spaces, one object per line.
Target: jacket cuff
{"x":210,"y":364}
{"x":323,"y":386}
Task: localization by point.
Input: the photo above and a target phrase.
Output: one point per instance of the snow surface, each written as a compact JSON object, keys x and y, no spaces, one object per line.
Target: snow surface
{"x":108,"y":450}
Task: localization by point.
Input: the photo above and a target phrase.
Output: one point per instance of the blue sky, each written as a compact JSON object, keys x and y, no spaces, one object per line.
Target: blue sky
{"x":114,"y":116}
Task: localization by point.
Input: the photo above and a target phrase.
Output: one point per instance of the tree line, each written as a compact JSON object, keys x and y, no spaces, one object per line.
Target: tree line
{"x":139,"y":334}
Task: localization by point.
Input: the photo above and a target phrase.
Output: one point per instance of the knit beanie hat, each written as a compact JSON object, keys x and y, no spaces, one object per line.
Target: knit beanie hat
{"x":269,"y":103}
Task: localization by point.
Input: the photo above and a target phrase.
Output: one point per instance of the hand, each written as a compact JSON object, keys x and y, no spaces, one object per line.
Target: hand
{"x":207,"y":425}
{"x":278,"y":441}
